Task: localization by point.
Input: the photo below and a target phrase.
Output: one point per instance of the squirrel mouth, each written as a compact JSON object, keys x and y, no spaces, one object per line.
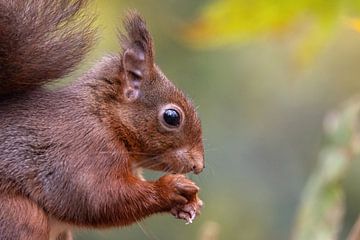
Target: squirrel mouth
{"x":178,"y":161}
{"x":137,"y":168}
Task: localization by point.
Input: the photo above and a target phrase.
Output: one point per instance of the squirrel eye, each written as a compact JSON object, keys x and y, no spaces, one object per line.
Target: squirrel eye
{"x":172,"y":117}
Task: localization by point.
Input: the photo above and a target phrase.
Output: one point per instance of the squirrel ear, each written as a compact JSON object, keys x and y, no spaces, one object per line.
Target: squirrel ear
{"x":137,"y":53}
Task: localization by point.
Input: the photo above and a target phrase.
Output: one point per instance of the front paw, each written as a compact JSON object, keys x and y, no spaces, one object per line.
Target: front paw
{"x":180,"y":196}
{"x":189,"y":211}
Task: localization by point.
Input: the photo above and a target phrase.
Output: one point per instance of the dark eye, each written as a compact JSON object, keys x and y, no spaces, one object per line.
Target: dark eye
{"x":172,"y":117}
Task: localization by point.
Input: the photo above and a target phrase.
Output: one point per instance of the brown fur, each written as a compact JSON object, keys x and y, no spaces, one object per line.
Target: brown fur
{"x":40,"y":41}
{"x":70,"y":155}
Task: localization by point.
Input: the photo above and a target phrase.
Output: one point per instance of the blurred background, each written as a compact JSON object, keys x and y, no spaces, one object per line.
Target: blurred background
{"x":264,"y":73}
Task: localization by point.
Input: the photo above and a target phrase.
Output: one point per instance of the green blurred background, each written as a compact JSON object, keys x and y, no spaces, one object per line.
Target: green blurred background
{"x":264,"y":74}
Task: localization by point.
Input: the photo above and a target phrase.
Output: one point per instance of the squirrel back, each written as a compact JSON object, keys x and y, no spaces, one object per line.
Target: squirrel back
{"x":41,"y":41}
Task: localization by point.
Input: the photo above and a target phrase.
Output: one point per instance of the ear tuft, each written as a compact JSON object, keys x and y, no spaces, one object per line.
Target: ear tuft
{"x":137,"y":35}
{"x":137,"y":55}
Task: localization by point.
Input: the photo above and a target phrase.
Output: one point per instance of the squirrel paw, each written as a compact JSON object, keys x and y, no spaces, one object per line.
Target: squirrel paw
{"x":189,"y":211}
{"x":181,"y":196}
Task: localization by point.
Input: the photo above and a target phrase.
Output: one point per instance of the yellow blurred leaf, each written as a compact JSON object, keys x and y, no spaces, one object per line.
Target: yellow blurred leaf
{"x":232,"y":21}
{"x":354,"y":23}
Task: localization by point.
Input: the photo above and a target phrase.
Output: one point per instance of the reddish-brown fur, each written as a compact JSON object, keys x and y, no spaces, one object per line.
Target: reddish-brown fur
{"x":69,"y":156}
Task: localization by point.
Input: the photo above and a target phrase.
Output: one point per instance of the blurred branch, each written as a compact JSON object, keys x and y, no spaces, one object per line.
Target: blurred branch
{"x":322,"y":206}
{"x":355,"y":231}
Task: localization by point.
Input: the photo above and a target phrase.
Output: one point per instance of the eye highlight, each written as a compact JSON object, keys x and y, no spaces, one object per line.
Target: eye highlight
{"x":171,"y":117}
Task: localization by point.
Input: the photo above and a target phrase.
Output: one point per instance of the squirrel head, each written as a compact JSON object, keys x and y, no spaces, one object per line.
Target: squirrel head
{"x":153,"y":119}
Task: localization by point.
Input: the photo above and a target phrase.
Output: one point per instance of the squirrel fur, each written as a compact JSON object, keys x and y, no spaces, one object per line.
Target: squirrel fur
{"x":69,"y":157}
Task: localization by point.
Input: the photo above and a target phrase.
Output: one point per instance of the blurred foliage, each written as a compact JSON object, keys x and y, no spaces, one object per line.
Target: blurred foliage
{"x":322,"y":207}
{"x":313,"y":21}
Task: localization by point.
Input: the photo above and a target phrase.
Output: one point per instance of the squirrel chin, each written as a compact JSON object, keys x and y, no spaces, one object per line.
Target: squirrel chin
{"x":139,"y":172}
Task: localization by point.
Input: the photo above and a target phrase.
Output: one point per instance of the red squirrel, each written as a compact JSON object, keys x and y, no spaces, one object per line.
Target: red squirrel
{"x":69,"y":157}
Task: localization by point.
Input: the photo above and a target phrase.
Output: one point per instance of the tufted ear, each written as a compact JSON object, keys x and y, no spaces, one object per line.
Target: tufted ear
{"x":137,"y":54}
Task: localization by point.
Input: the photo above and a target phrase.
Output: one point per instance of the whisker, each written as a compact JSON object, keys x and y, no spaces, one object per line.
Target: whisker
{"x":146,"y":160}
{"x":149,"y":160}
{"x":147,"y":233}
{"x":182,"y":169}
{"x":132,"y":153}
{"x":197,"y":177}
{"x":211,"y":149}
{"x":167,"y":169}
{"x":146,"y":163}
{"x":141,"y":153}
{"x":211,"y":169}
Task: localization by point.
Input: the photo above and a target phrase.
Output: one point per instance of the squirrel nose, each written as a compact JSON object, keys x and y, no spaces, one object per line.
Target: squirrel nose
{"x":198,"y":167}
{"x":198,"y":160}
